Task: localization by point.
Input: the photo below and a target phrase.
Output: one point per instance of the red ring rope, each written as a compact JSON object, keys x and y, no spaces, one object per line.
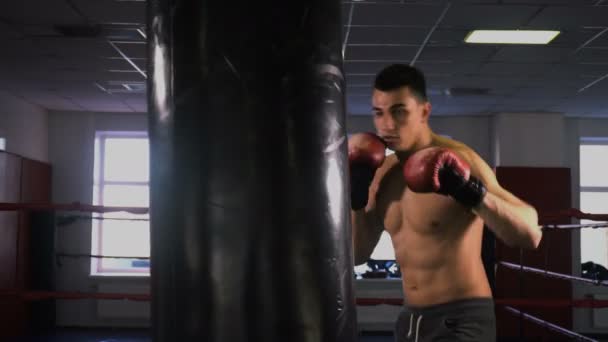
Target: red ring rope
{"x":42,"y":295}
{"x":530,"y":303}
{"x":533,"y":303}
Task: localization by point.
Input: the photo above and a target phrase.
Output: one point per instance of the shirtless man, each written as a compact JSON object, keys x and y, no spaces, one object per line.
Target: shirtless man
{"x":433,"y":196}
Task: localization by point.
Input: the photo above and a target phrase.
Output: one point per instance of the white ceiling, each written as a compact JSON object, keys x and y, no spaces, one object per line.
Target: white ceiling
{"x":105,"y":73}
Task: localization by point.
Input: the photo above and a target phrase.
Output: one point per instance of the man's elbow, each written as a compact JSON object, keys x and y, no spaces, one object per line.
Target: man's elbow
{"x":532,"y":239}
{"x":532,"y":233}
{"x":528,"y":238}
{"x":536,"y":233}
{"x":535,"y":238}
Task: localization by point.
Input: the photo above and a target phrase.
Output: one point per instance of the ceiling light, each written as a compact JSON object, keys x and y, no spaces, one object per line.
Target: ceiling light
{"x":510,"y":37}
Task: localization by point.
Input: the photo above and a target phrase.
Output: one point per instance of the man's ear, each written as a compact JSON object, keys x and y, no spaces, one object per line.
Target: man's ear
{"x":426,"y":111}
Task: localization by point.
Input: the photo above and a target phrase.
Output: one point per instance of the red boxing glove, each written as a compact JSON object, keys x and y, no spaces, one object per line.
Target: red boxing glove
{"x":440,"y":170}
{"x":366,"y":152}
{"x":366,"y":148}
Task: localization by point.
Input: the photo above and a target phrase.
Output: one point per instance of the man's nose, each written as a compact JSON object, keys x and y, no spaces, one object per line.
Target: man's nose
{"x":387,"y":122}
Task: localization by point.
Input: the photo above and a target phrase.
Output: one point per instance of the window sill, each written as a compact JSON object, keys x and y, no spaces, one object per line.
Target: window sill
{"x":114,"y":277}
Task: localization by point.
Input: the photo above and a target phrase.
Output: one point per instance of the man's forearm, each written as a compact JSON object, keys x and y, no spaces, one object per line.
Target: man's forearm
{"x":363,"y":229}
{"x":516,"y":225}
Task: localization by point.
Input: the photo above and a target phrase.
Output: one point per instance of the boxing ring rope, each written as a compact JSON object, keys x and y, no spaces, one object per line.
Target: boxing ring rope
{"x":507,"y":303}
{"x":575,"y":226}
{"x":548,"y":325}
{"x":95,"y":256}
{"x":67,"y":219}
{"x":551,"y":274}
{"x":573,"y":213}
{"x":74,"y":206}
{"x":78,"y":206}
{"x":592,"y":303}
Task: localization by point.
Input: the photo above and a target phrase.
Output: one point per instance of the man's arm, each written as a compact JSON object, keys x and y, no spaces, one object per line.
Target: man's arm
{"x":511,"y":219}
{"x":457,"y":172}
{"x":367,"y":223}
{"x":366,"y":154}
{"x":366,"y":233}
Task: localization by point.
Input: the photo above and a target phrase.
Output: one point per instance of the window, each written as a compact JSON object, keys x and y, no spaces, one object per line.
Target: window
{"x":2,"y":144}
{"x":121,"y":178}
{"x":594,"y":197}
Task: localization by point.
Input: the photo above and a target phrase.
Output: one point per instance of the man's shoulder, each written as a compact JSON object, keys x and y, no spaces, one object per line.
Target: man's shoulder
{"x":457,"y":146}
{"x":479,"y":167}
{"x":463,"y":151}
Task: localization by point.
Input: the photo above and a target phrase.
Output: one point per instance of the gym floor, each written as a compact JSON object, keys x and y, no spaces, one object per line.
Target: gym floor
{"x":129,"y":335}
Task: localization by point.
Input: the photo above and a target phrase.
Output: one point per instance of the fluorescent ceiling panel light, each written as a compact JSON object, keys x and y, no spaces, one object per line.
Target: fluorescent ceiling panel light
{"x":510,"y":37}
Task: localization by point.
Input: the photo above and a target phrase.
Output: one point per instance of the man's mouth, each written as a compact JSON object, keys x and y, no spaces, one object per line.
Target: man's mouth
{"x":390,"y":138}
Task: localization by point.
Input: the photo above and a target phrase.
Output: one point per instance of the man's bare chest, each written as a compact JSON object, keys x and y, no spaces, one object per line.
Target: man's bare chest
{"x":426,"y":213}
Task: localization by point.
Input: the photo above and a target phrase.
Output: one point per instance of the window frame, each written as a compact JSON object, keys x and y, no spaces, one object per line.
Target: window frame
{"x":601,"y":141}
{"x":99,"y":182}
{"x":596,"y":142}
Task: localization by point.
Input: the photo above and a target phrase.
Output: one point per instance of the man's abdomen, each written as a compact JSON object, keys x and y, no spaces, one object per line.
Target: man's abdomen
{"x":439,"y":271}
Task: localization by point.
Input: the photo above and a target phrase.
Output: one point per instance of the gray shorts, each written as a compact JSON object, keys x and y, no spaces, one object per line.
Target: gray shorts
{"x":462,"y":320}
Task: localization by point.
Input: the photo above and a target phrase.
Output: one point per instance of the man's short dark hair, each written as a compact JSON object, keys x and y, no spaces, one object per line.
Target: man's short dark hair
{"x":396,"y":76}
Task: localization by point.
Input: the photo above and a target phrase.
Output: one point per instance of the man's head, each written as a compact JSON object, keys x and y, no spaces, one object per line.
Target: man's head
{"x":400,"y":106}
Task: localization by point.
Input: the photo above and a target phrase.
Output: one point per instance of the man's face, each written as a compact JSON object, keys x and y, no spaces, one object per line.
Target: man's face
{"x":399,"y":117}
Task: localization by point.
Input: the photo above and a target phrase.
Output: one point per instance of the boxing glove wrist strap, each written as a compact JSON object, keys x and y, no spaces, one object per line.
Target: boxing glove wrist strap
{"x":361,"y":177}
{"x":471,"y":193}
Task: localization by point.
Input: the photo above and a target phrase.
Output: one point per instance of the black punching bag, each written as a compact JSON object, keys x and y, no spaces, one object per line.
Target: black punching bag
{"x":250,"y":215}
